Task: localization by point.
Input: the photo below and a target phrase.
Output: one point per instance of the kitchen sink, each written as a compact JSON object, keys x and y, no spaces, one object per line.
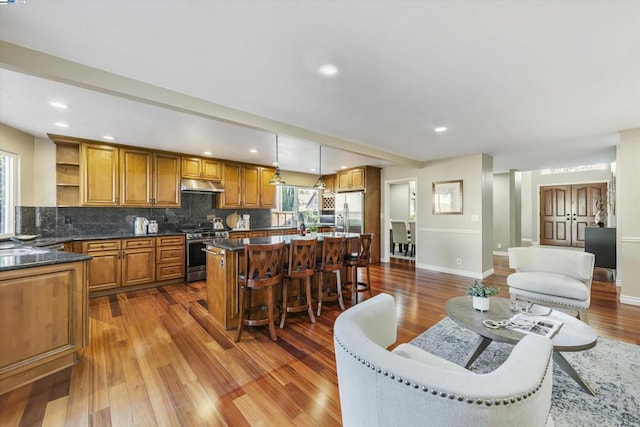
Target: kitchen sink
{"x":21,"y":252}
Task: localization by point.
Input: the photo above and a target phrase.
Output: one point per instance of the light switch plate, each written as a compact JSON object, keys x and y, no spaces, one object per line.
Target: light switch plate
{"x":475,"y":218}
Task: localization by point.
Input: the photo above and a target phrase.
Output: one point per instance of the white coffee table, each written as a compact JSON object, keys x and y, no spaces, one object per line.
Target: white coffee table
{"x":574,"y":335}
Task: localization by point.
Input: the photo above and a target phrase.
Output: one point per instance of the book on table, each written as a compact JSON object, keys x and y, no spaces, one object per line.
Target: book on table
{"x":536,"y":325}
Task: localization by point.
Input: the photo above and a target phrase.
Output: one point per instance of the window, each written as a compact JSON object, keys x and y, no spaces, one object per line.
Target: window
{"x":298,"y":202}
{"x":8,"y":185}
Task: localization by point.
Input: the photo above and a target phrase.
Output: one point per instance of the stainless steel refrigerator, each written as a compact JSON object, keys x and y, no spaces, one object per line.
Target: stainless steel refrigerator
{"x":350,"y":212}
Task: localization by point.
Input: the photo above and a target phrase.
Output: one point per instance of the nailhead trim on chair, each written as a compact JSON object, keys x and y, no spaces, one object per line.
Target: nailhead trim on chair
{"x":505,"y":401}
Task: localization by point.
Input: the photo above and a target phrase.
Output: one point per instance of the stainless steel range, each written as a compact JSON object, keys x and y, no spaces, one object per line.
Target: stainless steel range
{"x":196,"y":268}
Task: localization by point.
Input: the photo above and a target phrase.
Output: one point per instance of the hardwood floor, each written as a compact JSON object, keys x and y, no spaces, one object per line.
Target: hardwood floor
{"x":156,"y":359}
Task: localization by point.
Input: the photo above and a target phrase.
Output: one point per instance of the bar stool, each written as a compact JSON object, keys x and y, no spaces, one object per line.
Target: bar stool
{"x":301,"y":267}
{"x":262,"y":270}
{"x":360,"y":259}
{"x":331,"y":262}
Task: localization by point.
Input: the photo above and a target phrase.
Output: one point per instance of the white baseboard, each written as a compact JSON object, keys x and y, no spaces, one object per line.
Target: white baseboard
{"x":500,"y":253}
{"x":629,"y":300}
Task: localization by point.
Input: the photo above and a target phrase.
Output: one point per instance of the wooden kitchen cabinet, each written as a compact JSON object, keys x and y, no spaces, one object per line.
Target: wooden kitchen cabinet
{"x":330,"y":182}
{"x":103,"y":270}
{"x":67,"y":173}
{"x":170,"y":257}
{"x":267,"y":191}
{"x":166,"y":180}
{"x":136,"y":170}
{"x":201,"y":168}
{"x":246,"y":186}
{"x":100,"y":177}
{"x":350,"y":180}
{"x":44,"y":321}
{"x":149,"y":179}
{"x":118,"y":263}
{"x":138,"y":261}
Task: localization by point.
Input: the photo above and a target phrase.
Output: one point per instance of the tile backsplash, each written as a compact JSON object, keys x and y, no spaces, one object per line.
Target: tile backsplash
{"x":68,"y":221}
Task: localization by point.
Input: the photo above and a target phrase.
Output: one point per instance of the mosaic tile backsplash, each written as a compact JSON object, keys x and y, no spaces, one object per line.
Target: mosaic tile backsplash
{"x":195,"y":209}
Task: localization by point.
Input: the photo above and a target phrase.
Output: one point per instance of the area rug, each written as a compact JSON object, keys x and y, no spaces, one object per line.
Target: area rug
{"x":611,"y":368}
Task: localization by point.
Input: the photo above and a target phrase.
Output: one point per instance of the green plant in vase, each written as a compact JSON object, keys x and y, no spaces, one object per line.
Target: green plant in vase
{"x":481,"y":293}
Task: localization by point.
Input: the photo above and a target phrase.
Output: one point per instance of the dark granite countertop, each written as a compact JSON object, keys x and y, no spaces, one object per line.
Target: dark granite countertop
{"x":280,"y":227}
{"x":39,"y":259}
{"x":48,"y":241}
{"x":238,"y":244}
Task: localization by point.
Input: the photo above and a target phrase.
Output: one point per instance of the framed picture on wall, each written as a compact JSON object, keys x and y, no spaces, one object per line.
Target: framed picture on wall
{"x":447,"y":197}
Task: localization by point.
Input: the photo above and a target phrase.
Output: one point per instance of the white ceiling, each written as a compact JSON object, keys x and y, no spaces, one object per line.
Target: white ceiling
{"x":533,"y":83}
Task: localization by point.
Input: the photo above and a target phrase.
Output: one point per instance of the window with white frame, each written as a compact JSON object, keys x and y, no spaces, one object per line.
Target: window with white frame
{"x":299,"y":203}
{"x":8,"y":185}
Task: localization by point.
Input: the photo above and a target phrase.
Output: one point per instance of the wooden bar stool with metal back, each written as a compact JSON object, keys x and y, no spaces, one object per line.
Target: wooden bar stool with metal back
{"x":262,"y":270}
{"x":360,"y":259}
{"x":331,"y":262}
{"x":301,"y":267}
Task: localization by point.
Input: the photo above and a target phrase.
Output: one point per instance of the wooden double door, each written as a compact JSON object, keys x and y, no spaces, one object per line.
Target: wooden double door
{"x":567,"y":210}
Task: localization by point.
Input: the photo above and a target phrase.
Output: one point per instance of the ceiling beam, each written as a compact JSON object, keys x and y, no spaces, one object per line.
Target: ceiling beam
{"x":39,"y":64}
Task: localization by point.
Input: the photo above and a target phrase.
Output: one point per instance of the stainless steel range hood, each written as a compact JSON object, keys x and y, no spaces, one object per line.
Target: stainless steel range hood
{"x":201,"y":186}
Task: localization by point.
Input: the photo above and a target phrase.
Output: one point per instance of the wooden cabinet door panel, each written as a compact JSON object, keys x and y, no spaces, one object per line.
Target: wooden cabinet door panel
{"x":166,"y":180}
{"x":100,"y":175}
{"x":190,"y":167}
{"x":211,"y":170}
{"x":138,"y":266}
{"x":135,"y":177}
{"x":169,"y":271}
{"x":357,"y":179}
{"x":250,"y":187}
{"x":343,"y":180}
{"x":103,"y":271}
{"x":267,"y":191}
{"x":231,"y":197}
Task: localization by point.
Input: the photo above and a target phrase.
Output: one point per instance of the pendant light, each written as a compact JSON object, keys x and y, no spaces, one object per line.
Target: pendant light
{"x":277,"y":179}
{"x":320,"y":185}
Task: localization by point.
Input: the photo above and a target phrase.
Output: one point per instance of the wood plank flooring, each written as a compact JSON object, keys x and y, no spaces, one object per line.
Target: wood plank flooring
{"x":155,"y":358}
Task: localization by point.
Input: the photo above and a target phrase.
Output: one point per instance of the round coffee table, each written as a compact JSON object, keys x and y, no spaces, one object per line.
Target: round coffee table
{"x":574,"y":335}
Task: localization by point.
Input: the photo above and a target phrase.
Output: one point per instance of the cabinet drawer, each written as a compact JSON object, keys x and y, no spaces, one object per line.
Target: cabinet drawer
{"x":169,"y":271}
{"x":100,"y":245}
{"x":170,"y":241}
{"x":146,"y":242}
{"x":170,"y":254}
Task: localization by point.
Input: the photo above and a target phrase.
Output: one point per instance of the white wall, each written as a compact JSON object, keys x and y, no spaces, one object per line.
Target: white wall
{"x":628,"y":215}
{"x":399,"y":197}
{"x":442,"y":239}
{"x":23,"y":145}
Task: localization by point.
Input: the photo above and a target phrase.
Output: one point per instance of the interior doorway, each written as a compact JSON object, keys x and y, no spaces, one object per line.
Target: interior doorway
{"x":400,"y":203}
{"x":567,"y":210}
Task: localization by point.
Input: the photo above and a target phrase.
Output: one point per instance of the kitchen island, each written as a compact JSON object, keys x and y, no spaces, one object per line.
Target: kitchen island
{"x":43,"y":313}
{"x":224,"y":263}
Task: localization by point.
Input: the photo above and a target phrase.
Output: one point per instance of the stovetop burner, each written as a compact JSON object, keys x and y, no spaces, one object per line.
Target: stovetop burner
{"x":204,"y":233}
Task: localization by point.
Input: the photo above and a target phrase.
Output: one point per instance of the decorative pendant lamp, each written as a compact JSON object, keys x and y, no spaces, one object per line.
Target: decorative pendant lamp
{"x":277,"y":179}
{"x":320,"y":185}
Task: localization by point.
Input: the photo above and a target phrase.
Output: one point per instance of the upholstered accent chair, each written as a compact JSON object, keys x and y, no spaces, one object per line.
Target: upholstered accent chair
{"x":552,"y":277}
{"x":408,"y":386}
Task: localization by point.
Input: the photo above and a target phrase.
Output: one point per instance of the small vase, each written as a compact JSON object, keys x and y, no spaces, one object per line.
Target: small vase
{"x":481,"y":303}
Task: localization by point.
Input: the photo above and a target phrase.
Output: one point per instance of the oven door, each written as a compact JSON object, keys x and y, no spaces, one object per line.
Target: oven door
{"x":196,"y":260}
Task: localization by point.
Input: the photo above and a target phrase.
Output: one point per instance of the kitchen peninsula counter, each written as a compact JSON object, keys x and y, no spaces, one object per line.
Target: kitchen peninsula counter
{"x":225,"y":262}
{"x":44,"y":303}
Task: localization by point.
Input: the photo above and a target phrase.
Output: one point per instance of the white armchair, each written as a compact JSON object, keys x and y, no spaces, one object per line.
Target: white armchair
{"x":553,"y":277}
{"x":408,"y":386}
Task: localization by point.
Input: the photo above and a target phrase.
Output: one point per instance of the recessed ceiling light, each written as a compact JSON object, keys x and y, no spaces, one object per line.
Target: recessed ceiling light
{"x":275,"y":163}
{"x":343,"y":167}
{"x":109,"y":137}
{"x":253,"y":150}
{"x":440,"y":129}
{"x":207,"y":153}
{"x":59,"y":105}
{"x":61,"y":125}
{"x":312,"y":169}
{"x":328,"y":70}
